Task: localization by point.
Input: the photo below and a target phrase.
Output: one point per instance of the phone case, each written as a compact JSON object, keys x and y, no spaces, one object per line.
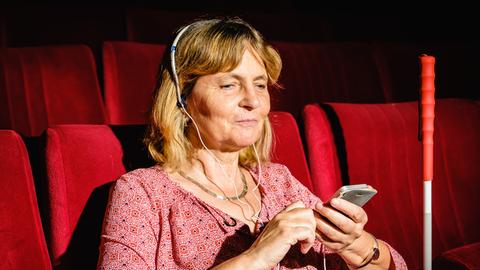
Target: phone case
{"x":358,"y":194}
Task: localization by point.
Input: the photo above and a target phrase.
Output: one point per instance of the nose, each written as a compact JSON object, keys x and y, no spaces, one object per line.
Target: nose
{"x":251,"y":98}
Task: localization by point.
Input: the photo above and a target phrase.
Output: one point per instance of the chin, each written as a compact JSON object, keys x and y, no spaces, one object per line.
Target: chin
{"x":245,"y":143}
{"x":244,"y":139}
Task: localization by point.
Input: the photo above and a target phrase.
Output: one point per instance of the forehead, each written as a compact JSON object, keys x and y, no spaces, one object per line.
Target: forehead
{"x":250,"y":68}
{"x":250,"y":65}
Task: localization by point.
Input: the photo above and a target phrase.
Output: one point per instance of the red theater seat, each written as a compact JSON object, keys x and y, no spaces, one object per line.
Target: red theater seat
{"x":288,"y":147}
{"x":44,"y":86}
{"x":333,"y":72}
{"x":378,"y":145}
{"x":322,"y":152}
{"x":398,"y":69}
{"x":22,"y":239}
{"x":81,"y":160}
{"x":130,"y":72}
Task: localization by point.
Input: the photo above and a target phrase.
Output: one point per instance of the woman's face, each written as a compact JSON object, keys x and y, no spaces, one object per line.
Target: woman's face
{"x":230,"y":107}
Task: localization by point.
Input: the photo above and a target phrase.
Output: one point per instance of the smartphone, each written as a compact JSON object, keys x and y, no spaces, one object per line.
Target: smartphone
{"x":358,"y":194}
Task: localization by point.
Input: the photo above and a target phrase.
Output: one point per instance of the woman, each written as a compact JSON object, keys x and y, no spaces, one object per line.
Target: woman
{"x":214,"y":200}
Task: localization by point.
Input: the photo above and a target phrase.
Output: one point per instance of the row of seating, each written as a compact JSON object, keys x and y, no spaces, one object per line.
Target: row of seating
{"x":312,"y":72}
{"x":345,"y":143}
{"x":80,"y":162}
{"x":378,"y":144}
{"x":42,"y":86}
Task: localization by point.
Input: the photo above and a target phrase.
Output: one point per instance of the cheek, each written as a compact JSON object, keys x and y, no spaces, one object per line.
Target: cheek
{"x":216,"y":114}
{"x":205,"y":106}
{"x":265,"y":105}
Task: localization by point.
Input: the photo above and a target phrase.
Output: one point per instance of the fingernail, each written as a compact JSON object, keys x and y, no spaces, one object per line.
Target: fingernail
{"x":334,"y":202}
{"x":319,"y":205}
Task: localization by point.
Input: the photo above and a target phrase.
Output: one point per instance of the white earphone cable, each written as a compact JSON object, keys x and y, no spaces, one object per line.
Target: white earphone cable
{"x":255,"y":217}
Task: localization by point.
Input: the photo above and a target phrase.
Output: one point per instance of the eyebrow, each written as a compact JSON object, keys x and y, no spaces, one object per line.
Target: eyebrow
{"x":238,"y":77}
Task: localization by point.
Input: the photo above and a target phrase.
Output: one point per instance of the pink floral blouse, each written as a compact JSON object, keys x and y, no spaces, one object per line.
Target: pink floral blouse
{"x":151,"y":222}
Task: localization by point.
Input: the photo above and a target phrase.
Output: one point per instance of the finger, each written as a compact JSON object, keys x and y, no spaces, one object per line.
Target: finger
{"x":331,"y":244}
{"x":302,"y":215}
{"x":337,"y":219}
{"x":335,"y":246}
{"x":322,"y":237}
{"x":318,"y":205}
{"x":306,"y":237}
{"x":327,"y":231}
{"x":297,"y":204}
{"x":355,"y":212}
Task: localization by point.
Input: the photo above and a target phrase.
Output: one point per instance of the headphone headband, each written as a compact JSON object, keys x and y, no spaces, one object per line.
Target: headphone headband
{"x":181,"y":102}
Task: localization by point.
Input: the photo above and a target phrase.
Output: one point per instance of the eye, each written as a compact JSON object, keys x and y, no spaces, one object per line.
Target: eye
{"x":228,"y":86}
{"x":261,"y":86}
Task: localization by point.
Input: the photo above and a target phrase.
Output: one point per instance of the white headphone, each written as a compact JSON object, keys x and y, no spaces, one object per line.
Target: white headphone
{"x":182,"y":103}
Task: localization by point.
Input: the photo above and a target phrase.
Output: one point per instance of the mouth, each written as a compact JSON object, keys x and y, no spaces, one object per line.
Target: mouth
{"x":247,"y":122}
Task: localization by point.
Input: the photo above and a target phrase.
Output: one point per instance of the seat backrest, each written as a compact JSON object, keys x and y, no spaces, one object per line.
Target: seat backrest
{"x":81,"y":160}
{"x":322,"y":71}
{"x":43,"y":86}
{"x":322,"y":151}
{"x":130,"y":73}
{"x":288,"y":147}
{"x":382,"y":149}
{"x":398,"y":69}
{"x":22,"y":239}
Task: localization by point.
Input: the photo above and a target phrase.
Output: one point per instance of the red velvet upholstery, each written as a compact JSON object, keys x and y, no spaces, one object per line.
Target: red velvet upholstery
{"x":288,"y":147}
{"x":22,"y":240}
{"x":360,"y":72}
{"x":465,"y":257}
{"x":130,"y":71}
{"x":43,"y":86}
{"x":325,"y":171}
{"x":382,"y":149}
{"x":79,"y":159}
{"x":454,"y":74}
{"x":398,"y":69}
{"x":337,"y":72}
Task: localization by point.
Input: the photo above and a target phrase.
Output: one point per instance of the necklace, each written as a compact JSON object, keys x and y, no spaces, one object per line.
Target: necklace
{"x":218,"y":196}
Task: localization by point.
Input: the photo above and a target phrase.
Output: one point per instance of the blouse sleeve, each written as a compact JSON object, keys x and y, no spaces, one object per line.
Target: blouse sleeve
{"x":130,"y":228}
{"x":300,"y":192}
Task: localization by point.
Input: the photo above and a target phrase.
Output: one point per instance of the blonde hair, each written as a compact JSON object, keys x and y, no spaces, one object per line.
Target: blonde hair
{"x":206,"y":47}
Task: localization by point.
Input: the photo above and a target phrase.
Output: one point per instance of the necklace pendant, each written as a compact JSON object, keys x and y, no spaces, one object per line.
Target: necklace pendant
{"x":232,"y":224}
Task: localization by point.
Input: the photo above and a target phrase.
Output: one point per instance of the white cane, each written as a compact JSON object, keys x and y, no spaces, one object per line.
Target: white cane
{"x":427,"y":117}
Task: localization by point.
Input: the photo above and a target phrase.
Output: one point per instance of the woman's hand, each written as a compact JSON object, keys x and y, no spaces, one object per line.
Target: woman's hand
{"x":295,"y":223}
{"x":340,"y":227}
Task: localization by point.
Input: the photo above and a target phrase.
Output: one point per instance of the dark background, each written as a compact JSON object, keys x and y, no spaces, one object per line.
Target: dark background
{"x":28,"y":24}
{"x":54,"y":22}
